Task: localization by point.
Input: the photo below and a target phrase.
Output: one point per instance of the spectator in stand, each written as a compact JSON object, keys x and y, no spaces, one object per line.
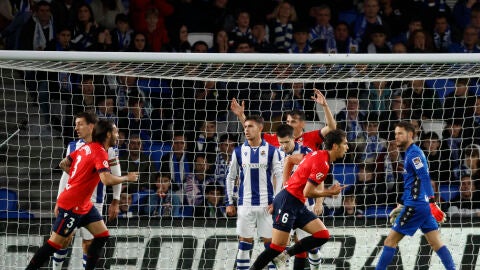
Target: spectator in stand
{"x":443,"y":34}
{"x":375,"y":97}
{"x":226,"y":144}
{"x":134,"y":160}
{"x":366,"y":21}
{"x":62,"y":42}
{"x":137,"y":121}
{"x":300,"y":39}
{"x":6,"y":14}
{"x":475,"y":16}
{"x":469,"y":43}
{"x":104,"y":41}
{"x":124,"y":206}
{"x":424,"y":100}
{"x":139,"y":43}
{"x":242,"y":29}
{"x":471,"y":161}
{"x":460,"y":104}
{"x":378,"y":40}
{"x":157,"y":37}
{"x":468,"y":204}
{"x":369,"y":189}
{"x":374,"y":144}
{"x":179,"y":40}
{"x":243,"y":45}
{"x":140,"y":8}
{"x":200,"y":47}
{"x":420,"y":41}
{"x":475,"y":123}
{"x":399,"y":48}
{"x":464,"y":12}
{"x":106,"y":11}
{"x":39,"y":29}
{"x":84,"y":95}
{"x":206,"y":140}
{"x":453,"y":144}
{"x":178,"y":163}
{"x":281,"y":26}
{"x":122,"y":34}
{"x":414,"y":25}
{"x":342,"y":42}
{"x":260,"y":40}
{"x":399,"y":110}
{"x":163,"y":202}
{"x":437,"y":157}
{"x":105,"y":108}
{"x":214,"y":204}
{"x":322,"y":30}
{"x":220,"y":42}
{"x":85,"y":29}
{"x":64,"y":12}
{"x":395,"y":13}
{"x":194,"y":184}
{"x":392,"y":169}
{"x":349,"y":205}
{"x":350,"y":120}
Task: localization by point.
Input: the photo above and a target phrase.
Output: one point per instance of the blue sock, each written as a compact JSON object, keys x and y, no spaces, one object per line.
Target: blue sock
{"x":386,"y":257}
{"x":84,"y":260}
{"x":446,"y":258}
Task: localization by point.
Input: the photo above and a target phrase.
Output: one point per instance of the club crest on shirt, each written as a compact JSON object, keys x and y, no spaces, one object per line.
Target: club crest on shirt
{"x":105,"y":163}
{"x":319,"y":176}
{"x":417,"y":162}
{"x":245,"y":153}
{"x":262,"y":153}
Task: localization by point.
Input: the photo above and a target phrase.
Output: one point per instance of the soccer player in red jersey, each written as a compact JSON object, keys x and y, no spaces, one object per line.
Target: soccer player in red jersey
{"x":75,"y":209}
{"x":296,"y":119}
{"x":289,"y":210}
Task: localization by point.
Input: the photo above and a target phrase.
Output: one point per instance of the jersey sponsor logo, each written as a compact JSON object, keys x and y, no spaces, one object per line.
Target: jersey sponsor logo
{"x":417,"y":162}
{"x":319,"y":176}
{"x":254,"y":166}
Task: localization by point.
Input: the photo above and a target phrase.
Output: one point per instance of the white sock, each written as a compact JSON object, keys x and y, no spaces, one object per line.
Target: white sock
{"x":243,"y":255}
{"x":58,"y":258}
{"x":314,"y":258}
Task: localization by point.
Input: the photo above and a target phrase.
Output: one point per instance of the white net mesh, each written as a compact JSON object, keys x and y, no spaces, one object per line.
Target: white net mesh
{"x":159,"y":105}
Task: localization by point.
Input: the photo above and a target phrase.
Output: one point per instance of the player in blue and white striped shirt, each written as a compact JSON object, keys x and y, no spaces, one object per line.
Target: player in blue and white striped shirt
{"x":288,"y":147}
{"x":84,"y":123}
{"x":256,"y":163}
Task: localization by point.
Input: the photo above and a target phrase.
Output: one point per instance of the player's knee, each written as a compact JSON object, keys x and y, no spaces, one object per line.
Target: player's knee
{"x":324,"y":234}
{"x":277,"y":248}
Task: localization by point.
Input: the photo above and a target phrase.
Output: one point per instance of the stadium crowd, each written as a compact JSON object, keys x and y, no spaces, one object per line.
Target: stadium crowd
{"x":169,"y":128}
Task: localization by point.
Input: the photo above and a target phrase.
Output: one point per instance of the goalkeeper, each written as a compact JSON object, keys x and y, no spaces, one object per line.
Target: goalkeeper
{"x":419,"y":210}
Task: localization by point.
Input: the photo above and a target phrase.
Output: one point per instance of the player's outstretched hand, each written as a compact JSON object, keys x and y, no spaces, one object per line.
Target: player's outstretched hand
{"x":236,"y":108}
{"x":319,"y":98}
{"x":132,"y":177}
{"x":437,"y":213}
{"x":231,"y":212}
{"x":395,"y":212}
{"x":336,"y":188}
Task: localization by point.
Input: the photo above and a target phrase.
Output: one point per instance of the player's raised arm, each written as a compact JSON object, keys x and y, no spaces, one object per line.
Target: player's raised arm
{"x":238,"y":110}
{"x":331,"y":124}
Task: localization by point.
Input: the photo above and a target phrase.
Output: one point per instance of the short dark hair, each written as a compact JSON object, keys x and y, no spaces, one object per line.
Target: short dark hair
{"x":256,"y":118}
{"x":227,"y":136}
{"x":284,"y":130}
{"x":406,"y":125}
{"x":101,"y":129}
{"x":334,"y":137}
{"x":214,"y":187}
{"x":121,"y":18}
{"x":89,"y":116}
{"x":431,"y":136}
{"x":297,"y":113}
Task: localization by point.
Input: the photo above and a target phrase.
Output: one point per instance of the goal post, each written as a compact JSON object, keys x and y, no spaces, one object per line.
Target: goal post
{"x":155,"y":97}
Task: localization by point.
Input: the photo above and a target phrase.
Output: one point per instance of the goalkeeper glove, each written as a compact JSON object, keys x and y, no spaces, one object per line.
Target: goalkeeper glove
{"x":437,"y":213}
{"x":395,"y":212}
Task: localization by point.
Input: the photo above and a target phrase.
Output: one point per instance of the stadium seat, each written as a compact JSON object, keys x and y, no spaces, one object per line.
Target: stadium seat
{"x":449,"y":192}
{"x":436,"y":126}
{"x":9,"y":205}
{"x":345,"y":173}
{"x":378,"y":211}
{"x":335,"y":104}
{"x":206,"y":37}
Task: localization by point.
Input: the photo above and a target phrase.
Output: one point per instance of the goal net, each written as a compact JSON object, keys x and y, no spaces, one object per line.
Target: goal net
{"x":178,"y":131}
